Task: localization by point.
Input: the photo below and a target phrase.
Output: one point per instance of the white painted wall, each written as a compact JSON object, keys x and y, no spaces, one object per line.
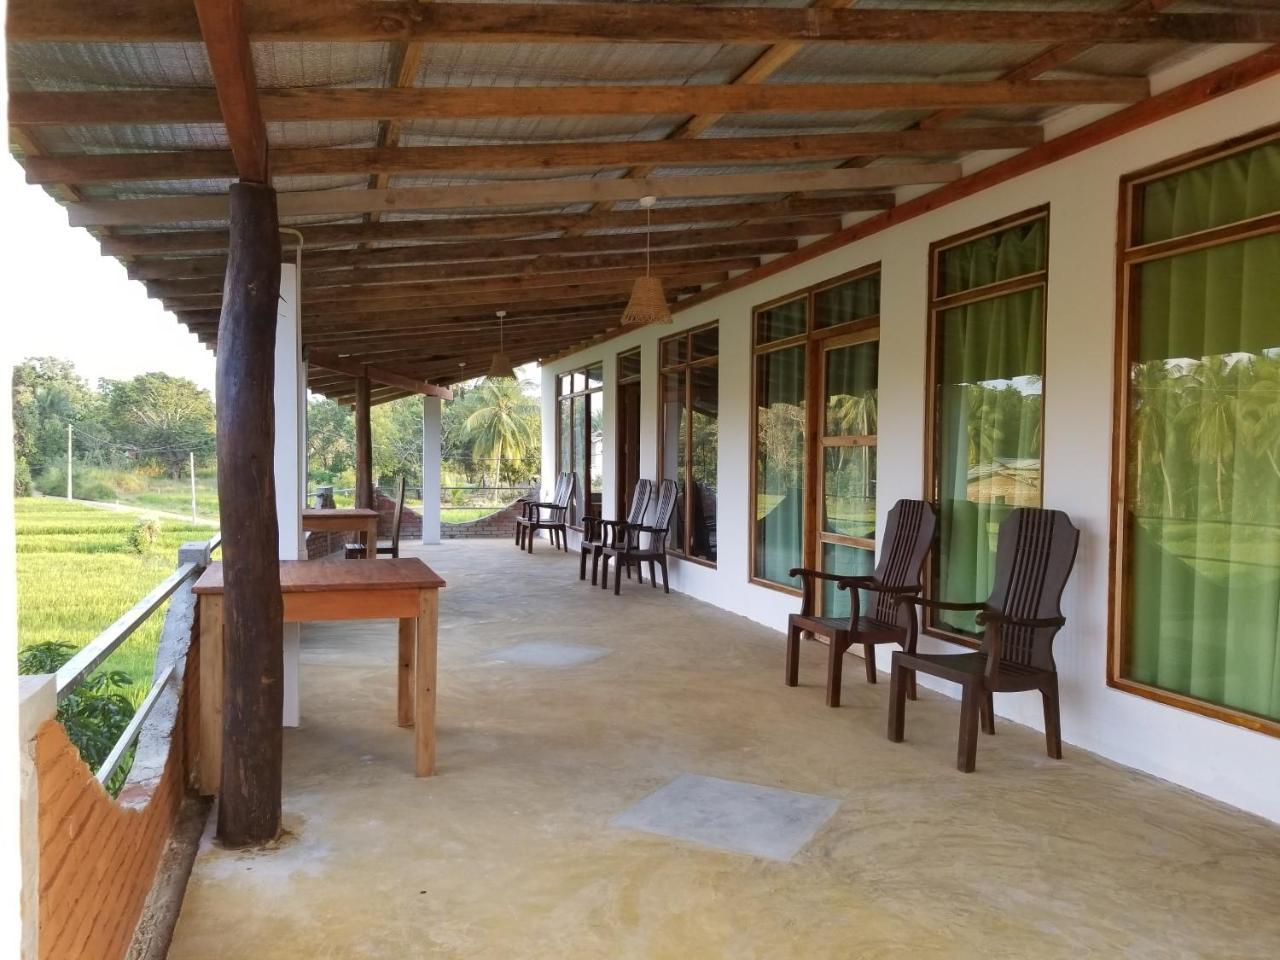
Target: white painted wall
{"x":1222,"y":760}
{"x":290,"y":459}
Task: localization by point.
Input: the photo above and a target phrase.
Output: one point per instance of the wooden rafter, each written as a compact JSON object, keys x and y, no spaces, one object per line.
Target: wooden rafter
{"x":330,"y":360}
{"x":385,"y":21}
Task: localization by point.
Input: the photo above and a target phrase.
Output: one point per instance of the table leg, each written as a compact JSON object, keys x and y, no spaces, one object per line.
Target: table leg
{"x":211,"y":694}
{"x":424,"y":734}
{"x":371,"y":541}
{"x":404,"y":684}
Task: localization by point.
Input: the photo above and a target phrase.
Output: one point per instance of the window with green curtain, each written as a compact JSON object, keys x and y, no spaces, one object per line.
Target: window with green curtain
{"x":1201,"y":559}
{"x":780,"y":454}
{"x":579,"y":439}
{"x":988,"y":381}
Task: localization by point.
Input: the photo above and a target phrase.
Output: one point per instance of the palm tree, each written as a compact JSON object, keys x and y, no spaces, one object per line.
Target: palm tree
{"x":1260,"y":408}
{"x":1151,"y":418}
{"x":504,"y":425}
{"x":1212,"y":415}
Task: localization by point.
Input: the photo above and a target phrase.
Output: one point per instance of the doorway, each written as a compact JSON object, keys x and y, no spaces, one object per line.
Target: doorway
{"x":628,"y":430}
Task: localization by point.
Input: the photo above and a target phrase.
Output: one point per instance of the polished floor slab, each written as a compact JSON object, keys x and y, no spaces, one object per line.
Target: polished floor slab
{"x":509,"y":851}
{"x":543,"y":653}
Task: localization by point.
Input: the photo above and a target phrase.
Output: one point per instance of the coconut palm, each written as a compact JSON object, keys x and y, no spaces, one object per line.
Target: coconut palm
{"x":1211,"y":418}
{"x":504,"y":425}
{"x":1151,"y":417}
{"x":1260,"y":409}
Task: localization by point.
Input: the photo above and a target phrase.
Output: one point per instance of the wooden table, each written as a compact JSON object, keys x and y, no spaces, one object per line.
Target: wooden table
{"x":360,"y":519}
{"x":314,"y":590}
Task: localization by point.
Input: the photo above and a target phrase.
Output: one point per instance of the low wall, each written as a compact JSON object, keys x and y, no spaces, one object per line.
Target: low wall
{"x":502,"y":523}
{"x":95,"y":856}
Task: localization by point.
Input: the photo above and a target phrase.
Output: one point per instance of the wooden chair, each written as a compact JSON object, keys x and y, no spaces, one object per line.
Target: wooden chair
{"x":596,"y":533}
{"x":906,"y":540}
{"x":554,"y":521}
{"x":1035,"y":551}
{"x":627,"y":549}
{"x":357,"y":551}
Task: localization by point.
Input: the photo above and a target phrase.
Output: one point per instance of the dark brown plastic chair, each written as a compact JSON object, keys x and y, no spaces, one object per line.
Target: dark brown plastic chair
{"x":627,"y":551}
{"x":551,"y":516}
{"x":1035,"y":551}
{"x":907,"y":536}
{"x":356,"y":551}
{"x":597,"y":533}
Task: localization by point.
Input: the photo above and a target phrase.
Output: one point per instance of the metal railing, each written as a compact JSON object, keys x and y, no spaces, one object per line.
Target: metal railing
{"x":74,"y":672}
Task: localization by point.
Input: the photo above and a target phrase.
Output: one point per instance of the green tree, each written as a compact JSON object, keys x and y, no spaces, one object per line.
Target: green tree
{"x":161,"y":419}
{"x":331,"y":440}
{"x":1210,"y":417}
{"x":47,"y":395}
{"x":505,"y":424}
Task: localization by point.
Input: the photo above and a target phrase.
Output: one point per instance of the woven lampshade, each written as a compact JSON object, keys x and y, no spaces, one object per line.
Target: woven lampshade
{"x":648,"y":303}
{"x":501,"y":367}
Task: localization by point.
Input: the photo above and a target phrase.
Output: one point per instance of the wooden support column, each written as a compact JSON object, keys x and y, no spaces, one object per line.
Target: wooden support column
{"x":253,"y":661}
{"x":364,"y":446}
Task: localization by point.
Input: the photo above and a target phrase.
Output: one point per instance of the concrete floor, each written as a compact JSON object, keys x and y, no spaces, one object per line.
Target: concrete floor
{"x":510,"y":851}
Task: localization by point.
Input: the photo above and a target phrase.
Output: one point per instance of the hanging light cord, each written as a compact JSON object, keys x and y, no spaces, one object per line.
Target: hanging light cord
{"x":648,"y":233}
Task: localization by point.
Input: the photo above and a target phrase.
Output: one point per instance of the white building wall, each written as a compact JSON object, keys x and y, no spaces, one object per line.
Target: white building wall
{"x":1222,"y":760}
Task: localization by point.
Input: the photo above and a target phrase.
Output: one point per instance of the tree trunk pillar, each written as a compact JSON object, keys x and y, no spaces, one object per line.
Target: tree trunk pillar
{"x":364,"y":446}
{"x":249,"y":797}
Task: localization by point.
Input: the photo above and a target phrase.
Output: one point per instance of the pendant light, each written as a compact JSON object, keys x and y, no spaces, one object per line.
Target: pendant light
{"x":648,"y":303}
{"x":500,"y":368}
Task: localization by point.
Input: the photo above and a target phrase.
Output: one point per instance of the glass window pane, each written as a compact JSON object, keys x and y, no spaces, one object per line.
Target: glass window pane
{"x":987,"y":437}
{"x":851,"y":407}
{"x":579,"y":462}
{"x":674,"y":444}
{"x":564,"y":384}
{"x":595,"y":503}
{"x":855,"y":300}
{"x":628,"y":365}
{"x":579,"y":382}
{"x":784,"y":320}
{"x":1231,"y":189}
{"x":704,"y":343}
{"x":848,"y":562}
{"x":703,"y":459}
{"x":1203,"y":477}
{"x":1003,"y":255}
{"x":595,"y":376}
{"x":849,"y":491}
{"x":564,"y":446}
{"x":780,"y":445}
{"x":673,"y":350}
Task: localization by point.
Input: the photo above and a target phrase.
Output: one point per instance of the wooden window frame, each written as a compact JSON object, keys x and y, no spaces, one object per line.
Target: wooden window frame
{"x":938,"y":304}
{"x":687,"y":365}
{"x":813,"y":338}
{"x":1131,"y":254}
{"x":587,"y":391}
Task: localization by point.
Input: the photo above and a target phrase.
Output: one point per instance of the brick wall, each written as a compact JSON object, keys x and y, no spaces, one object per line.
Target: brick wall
{"x":500,"y":524}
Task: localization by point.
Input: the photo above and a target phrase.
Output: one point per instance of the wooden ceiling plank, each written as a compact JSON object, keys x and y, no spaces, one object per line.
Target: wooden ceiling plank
{"x":330,"y":360}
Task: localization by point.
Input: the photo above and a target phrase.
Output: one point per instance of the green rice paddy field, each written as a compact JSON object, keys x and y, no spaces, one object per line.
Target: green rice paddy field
{"x":77,"y":574}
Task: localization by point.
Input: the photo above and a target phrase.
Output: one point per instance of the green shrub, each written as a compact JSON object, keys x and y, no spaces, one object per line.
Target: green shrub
{"x":21,"y":478}
{"x":95,"y":714}
{"x":143,"y":535}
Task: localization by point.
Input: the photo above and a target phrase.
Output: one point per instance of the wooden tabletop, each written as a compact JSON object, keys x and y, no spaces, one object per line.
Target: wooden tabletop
{"x":316,"y":576}
{"x":343,"y":513}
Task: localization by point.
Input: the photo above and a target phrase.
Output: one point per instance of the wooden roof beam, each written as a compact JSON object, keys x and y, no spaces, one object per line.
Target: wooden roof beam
{"x":368,"y":21}
{"x":330,"y":360}
{"x":333,"y":103}
{"x":390,"y":159}
{"x":226,"y":39}
{"x":499,"y":194}
{"x":515,"y":225}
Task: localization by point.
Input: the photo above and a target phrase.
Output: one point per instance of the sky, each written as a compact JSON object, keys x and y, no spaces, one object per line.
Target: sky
{"x":63,"y":298}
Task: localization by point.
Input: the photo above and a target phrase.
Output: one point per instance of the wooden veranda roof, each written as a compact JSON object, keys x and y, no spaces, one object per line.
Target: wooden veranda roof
{"x":447,"y":160}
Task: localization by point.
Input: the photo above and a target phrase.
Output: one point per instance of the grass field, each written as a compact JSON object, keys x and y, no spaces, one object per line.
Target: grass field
{"x":77,"y":575}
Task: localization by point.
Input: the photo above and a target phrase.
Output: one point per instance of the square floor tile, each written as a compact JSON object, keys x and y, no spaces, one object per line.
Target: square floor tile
{"x":728,"y":815}
{"x":545,"y":653}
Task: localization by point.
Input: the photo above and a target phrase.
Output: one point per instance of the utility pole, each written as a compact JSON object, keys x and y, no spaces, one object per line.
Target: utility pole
{"x":68,"y":461}
{"x":192,"y":461}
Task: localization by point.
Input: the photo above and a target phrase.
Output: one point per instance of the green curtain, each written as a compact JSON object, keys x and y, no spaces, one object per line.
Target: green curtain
{"x":987,"y":441}
{"x":1234,"y":188}
{"x":1204,"y":458}
{"x":847,"y":302}
{"x":780,"y":444}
